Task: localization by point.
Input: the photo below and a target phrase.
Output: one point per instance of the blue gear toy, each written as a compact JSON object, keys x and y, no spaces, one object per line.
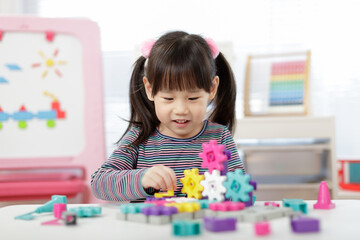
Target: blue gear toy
{"x":238,"y":186}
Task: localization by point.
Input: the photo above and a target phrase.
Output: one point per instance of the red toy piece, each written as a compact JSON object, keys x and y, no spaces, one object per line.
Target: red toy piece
{"x":342,"y":183}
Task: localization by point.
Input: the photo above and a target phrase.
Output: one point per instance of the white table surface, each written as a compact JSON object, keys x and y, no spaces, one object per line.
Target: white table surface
{"x":342,"y":223}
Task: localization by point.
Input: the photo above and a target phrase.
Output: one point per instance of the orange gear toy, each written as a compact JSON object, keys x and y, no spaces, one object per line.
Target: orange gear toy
{"x":191,"y":183}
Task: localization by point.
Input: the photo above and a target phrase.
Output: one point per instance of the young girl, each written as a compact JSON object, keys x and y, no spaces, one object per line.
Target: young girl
{"x":172,"y":86}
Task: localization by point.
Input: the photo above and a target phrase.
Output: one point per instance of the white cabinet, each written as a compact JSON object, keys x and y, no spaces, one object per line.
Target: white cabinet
{"x":283,"y":149}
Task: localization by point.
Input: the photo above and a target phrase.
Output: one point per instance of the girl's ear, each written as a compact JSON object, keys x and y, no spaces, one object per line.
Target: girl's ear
{"x":148,"y":89}
{"x":214,"y":87}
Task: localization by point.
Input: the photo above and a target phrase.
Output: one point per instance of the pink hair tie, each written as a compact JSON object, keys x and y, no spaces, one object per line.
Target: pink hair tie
{"x":213,"y":47}
{"x":146,"y":48}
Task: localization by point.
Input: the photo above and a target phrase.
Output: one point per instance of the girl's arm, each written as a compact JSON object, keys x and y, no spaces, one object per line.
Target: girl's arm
{"x":116,"y":179}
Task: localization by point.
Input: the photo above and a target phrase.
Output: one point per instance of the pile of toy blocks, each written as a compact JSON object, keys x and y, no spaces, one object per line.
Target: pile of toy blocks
{"x":229,"y":199}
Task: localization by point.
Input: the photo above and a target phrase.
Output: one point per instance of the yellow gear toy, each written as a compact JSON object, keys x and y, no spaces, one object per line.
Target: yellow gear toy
{"x":191,"y":183}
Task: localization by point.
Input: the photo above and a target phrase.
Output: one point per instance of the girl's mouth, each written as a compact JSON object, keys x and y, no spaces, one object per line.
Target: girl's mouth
{"x":181,"y":121}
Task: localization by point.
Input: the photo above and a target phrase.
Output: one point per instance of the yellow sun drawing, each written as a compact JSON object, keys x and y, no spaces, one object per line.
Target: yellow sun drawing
{"x":50,"y":63}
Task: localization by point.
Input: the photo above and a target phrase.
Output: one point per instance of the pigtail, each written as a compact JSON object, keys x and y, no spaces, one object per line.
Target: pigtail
{"x":142,"y":110}
{"x":224,"y":102}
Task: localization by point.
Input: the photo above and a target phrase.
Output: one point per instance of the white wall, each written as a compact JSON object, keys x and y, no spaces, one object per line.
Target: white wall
{"x":327,"y":28}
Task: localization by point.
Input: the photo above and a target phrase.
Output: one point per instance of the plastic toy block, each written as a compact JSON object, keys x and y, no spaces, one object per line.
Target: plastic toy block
{"x":254,"y":184}
{"x":158,"y":203}
{"x":69,"y":218}
{"x":86,"y":211}
{"x":262,"y":228}
{"x":288,"y":212}
{"x":252,"y":199}
{"x":210,"y":213}
{"x":179,"y":206}
{"x":225,"y":170}
{"x":59,"y":208}
{"x":191,"y":207}
{"x":169,"y":193}
{"x":185,"y":207}
{"x":215,"y":224}
{"x":159,"y":210}
{"x":137,"y":217}
{"x":213,"y":186}
{"x":295,"y":204}
{"x":52,"y":222}
{"x":199,"y":214}
{"x":159,"y":219}
{"x":227,"y":206}
{"x":153,"y":199}
{"x":324,"y":200}
{"x":264,"y":213}
{"x":204,"y":203}
{"x":252,"y":215}
{"x":47,"y":207}
{"x":237,"y":186}
{"x":302,"y":224}
{"x":213,"y":156}
{"x":274,"y":204}
{"x":182,"y":216}
{"x":121,"y":216}
{"x":191,"y":183}
{"x":239,"y":215}
{"x":134,"y":207}
{"x":186,"y":228}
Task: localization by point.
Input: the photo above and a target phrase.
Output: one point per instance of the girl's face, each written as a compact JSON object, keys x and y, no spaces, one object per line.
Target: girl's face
{"x":181,"y":113}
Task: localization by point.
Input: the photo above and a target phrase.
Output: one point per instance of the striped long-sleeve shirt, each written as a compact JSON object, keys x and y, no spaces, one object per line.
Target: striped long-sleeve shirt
{"x":119,"y":178}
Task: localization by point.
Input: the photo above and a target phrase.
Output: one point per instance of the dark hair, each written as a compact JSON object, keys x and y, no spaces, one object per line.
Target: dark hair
{"x":180,"y":61}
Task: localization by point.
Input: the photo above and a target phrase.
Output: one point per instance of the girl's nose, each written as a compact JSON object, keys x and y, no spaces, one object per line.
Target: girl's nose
{"x":181,"y":107}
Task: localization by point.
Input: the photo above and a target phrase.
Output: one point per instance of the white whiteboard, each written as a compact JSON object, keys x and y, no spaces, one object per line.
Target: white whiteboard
{"x":29,"y":66}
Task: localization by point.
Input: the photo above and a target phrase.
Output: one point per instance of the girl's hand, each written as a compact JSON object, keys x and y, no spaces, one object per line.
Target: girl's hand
{"x":159,"y":177}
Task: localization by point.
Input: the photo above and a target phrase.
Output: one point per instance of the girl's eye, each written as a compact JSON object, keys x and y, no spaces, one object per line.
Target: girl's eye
{"x":193,"y":98}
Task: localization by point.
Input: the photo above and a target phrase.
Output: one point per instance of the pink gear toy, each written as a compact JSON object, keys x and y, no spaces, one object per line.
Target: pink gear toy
{"x":213,"y":156}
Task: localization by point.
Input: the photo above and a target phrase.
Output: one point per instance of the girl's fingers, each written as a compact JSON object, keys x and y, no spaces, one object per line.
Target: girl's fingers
{"x":168,"y":181}
{"x":159,"y":178}
{"x":172,"y":177}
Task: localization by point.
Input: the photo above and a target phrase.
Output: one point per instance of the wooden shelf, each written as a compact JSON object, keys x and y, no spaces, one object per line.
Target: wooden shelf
{"x":265,"y":129}
{"x":284,"y":147}
{"x":344,"y":194}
